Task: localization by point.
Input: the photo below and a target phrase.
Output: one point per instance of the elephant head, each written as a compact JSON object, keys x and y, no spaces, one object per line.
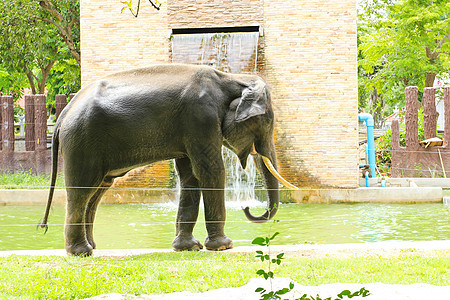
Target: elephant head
{"x":248,"y":128}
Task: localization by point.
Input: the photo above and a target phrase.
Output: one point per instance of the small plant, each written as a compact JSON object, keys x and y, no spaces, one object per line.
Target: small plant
{"x":268,"y":275}
{"x":265,"y":241}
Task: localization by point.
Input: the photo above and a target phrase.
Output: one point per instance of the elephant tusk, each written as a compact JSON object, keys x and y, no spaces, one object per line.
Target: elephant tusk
{"x":277,"y":175}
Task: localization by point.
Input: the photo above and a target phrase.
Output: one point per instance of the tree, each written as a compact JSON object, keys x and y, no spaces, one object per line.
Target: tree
{"x":402,"y":43}
{"x":12,"y":83}
{"x":32,"y":41}
{"x":64,"y":15}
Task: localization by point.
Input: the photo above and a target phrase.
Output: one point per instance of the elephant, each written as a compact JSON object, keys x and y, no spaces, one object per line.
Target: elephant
{"x":168,"y":111}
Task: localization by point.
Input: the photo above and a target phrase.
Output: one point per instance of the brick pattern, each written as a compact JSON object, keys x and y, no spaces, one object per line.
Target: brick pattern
{"x":310,"y":62}
{"x":112,"y":41}
{"x":156,"y":175}
{"x":214,"y":13}
{"x":308,"y":57}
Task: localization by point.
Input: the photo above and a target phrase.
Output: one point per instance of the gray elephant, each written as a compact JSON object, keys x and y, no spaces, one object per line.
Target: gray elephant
{"x":174,"y":111}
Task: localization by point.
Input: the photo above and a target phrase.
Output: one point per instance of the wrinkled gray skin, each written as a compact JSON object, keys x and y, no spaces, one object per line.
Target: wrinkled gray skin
{"x":180,"y":112}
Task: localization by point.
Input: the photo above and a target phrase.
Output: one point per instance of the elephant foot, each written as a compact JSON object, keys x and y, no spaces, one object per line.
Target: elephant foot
{"x":186,"y":243}
{"x":79,"y":249}
{"x":218,"y":243}
{"x":92,"y":243}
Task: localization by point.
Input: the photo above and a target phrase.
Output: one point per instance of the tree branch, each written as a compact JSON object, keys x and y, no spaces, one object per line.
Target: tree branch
{"x":64,"y":31}
{"x":49,"y":7}
{"x":45,"y":73}
{"x":31,"y":77}
{"x":155,"y":6}
{"x":435,"y":53}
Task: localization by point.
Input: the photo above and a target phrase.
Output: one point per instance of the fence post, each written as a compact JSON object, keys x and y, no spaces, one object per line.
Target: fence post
{"x":447,"y":116}
{"x":7,"y":107}
{"x":429,"y":112}
{"x":60,"y":103}
{"x":30,"y":143}
{"x":40,"y":122}
{"x":71,"y":96}
{"x":411,"y":117}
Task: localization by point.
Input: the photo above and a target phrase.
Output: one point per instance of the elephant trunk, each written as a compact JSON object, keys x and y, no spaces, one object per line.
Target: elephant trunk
{"x":271,"y":183}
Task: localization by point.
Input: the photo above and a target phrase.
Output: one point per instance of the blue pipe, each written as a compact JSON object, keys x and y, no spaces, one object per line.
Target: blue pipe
{"x":366,"y":175}
{"x":370,"y":141}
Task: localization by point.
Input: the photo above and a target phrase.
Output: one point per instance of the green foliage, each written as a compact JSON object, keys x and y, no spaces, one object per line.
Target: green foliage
{"x":362,"y":292}
{"x":28,"y":45}
{"x":400,"y":43}
{"x":64,"y":78}
{"x":12,"y":83}
{"x":28,"y":180}
{"x":268,"y":275}
{"x":34,"y":38}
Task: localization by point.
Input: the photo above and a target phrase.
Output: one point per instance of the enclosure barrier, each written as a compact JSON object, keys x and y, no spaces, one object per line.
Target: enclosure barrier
{"x":37,"y":154}
{"x":415,"y":160}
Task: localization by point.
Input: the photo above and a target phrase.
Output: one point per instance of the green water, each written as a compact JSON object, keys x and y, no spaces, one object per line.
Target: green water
{"x":135,"y":226}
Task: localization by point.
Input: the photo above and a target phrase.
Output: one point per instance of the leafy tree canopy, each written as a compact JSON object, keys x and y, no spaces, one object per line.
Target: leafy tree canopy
{"x":35,"y":35}
{"x":402,"y":43}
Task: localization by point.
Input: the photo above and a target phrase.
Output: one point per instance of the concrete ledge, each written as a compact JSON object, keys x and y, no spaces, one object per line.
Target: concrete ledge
{"x":39,"y":197}
{"x":30,"y":197}
{"x":371,"y":194}
{"x":408,"y":182}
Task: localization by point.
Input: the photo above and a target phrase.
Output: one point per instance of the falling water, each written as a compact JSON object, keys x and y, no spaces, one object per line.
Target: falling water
{"x":234,"y":53}
{"x":229,"y":52}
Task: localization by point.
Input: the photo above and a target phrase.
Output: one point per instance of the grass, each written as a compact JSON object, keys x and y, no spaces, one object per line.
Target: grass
{"x":28,"y":180}
{"x":27,"y":277}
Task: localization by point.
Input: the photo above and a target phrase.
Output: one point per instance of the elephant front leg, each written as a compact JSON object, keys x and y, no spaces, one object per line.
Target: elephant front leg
{"x":187,"y":209}
{"x":215,"y":216}
{"x":211,"y":173}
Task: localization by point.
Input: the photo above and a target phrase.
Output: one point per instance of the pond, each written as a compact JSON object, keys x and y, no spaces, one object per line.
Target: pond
{"x":133,"y":226}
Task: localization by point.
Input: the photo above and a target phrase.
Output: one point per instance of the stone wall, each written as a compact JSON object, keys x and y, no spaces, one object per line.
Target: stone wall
{"x":308,"y":57}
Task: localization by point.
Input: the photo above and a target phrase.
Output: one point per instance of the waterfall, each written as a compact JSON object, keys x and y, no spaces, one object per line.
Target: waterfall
{"x":235,"y":52}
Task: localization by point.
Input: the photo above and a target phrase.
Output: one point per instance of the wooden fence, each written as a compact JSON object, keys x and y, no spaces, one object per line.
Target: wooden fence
{"x":37,"y":154}
{"x":414,"y":160}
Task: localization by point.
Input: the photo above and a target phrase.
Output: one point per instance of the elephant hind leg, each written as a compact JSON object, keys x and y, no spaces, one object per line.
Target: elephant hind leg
{"x":75,"y":233}
{"x":80,"y":189}
{"x":91,"y":209}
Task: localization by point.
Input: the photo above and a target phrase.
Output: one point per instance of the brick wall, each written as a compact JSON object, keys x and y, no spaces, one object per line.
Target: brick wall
{"x":112,"y":42}
{"x":308,"y":58}
{"x":214,"y":13}
{"x":310,"y":62}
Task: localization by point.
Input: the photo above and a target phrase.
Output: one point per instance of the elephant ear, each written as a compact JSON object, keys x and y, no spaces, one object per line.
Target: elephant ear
{"x":253,"y":101}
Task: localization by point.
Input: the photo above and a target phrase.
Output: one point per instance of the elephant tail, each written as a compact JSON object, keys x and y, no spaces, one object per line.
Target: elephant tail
{"x":55,"y":152}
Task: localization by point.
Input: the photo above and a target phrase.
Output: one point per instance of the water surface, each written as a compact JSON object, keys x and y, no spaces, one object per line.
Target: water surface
{"x":136,"y":226}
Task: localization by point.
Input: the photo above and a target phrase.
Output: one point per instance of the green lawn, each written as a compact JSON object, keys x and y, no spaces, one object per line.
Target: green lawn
{"x":28,"y":180}
{"x":27,"y":277}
